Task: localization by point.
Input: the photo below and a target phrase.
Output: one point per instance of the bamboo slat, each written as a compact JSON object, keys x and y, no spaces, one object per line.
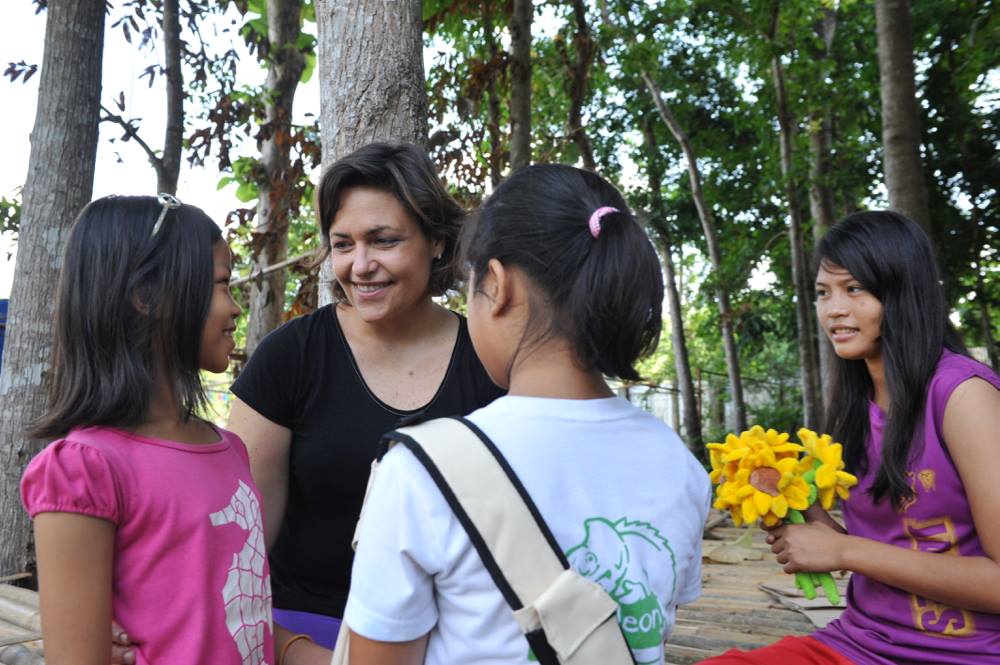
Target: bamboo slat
{"x":20,"y":655}
{"x":25,"y":616}
{"x":23,"y":596}
{"x":20,"y":627}
{"x":13,"y":634}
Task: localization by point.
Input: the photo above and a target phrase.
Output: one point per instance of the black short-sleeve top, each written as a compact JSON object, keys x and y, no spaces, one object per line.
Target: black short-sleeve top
{"x":303,"y":376}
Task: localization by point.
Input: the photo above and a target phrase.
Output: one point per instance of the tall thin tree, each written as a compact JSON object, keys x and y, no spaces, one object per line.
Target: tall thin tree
{"x":166,"y":163}
{"x":820,"y":170}
{"x":578,"y":68}
{"x":714,"y":252}
{"x":493,"y":95}
{"x":811,"y":407}
{"x":904,"y":173}
{"x":285,"y":65}
{"x":982,"y":295}
{"x":520,"y":86}
{"x":59,"y":183}
{"x":682,"y":365}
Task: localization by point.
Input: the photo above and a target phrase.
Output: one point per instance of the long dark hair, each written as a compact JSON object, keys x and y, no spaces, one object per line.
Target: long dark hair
{"x":602,"y":294}
{"x":407,"y":172}
{"x":129,"y":304}
{"x":892,"y":258}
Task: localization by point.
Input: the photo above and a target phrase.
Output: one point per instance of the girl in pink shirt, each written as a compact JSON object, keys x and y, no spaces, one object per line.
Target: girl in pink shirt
{"x":143,"y":510}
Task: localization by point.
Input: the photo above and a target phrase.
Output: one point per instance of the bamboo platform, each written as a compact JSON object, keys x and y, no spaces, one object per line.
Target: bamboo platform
{"x":20,"y":627}
{"x":731,"y":613}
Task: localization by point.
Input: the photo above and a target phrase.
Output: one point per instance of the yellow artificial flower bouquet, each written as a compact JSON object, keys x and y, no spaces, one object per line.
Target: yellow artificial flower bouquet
{"x":761,"y":475}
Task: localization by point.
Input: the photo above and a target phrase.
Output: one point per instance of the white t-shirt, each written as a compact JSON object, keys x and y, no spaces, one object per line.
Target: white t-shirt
{"x":609,"y":480}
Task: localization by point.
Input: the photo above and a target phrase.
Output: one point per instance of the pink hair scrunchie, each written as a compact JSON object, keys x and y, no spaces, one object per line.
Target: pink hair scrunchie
{"x":595,"y":219}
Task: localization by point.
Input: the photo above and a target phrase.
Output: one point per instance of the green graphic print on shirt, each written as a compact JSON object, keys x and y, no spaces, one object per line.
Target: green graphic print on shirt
{"x":616,"y":555}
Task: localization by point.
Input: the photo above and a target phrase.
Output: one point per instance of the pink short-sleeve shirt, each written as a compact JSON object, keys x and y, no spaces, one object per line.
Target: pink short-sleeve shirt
{"x":190,"y":581}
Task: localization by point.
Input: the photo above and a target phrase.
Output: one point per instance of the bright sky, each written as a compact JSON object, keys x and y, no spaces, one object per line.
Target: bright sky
{"x":22,"y":35}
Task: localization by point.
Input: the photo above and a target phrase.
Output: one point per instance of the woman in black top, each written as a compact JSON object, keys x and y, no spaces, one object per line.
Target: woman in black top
{"x":318,"y":392}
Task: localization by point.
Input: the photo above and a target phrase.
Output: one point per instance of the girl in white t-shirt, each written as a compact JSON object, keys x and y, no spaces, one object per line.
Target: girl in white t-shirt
{"x":565,"y":290}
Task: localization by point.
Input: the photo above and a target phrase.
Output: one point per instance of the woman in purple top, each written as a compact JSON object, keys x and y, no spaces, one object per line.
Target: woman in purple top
{"x":920,"y":421}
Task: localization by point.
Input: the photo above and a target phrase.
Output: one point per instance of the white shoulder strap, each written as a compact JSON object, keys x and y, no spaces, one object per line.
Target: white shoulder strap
{"x":566,"y":618}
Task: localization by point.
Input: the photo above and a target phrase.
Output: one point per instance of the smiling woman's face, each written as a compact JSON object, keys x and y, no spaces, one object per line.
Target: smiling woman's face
{"x":381,"y":258}
{"x":849,"y":313}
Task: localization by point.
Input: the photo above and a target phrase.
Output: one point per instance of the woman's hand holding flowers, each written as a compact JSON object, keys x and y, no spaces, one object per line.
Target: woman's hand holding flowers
{"x":814,"y":547}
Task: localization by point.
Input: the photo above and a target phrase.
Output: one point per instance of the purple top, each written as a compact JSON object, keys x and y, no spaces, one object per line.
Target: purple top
{"x":884,"y":625}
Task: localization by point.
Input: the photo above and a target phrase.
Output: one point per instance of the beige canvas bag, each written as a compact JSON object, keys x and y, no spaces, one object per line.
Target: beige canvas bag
{"x":566,"y":618}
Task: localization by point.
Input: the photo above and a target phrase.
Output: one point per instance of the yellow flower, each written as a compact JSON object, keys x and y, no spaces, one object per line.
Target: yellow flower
{"x":766,"y":492}
{"x":827,"y":458}
{"x":716,"y":452}
{"x":752,"y":449}
{"x":777,"y":442}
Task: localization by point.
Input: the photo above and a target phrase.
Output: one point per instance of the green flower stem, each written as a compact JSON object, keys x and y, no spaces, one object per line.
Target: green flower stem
{"x":809,"y":581}
{"x":803,"y":581}
{"x":830,"y":587}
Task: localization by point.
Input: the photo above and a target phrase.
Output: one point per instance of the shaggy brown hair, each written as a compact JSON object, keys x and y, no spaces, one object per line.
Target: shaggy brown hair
{"x":405,"y":171}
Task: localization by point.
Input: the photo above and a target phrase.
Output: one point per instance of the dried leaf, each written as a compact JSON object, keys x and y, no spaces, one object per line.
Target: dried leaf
{"x":733,"y":554}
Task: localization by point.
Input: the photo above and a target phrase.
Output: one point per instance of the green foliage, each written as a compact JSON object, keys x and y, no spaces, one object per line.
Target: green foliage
{"x":463,"y":71}
{"x":658,"y":368}
{"x":961,"y":133}
{"x":10,"y":214}
{"x":307,"y":45}
{"x":712,"y":59}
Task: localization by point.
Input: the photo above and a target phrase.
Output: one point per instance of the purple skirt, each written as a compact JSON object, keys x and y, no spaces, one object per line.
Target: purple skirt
{"x":321,"y":628}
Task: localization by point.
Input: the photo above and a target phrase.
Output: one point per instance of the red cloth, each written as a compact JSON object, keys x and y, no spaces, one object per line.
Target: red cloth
{"x":787,"y":651}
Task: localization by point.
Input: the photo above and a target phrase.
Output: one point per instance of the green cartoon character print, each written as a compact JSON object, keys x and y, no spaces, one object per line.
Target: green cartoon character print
{"x":616,"y":554}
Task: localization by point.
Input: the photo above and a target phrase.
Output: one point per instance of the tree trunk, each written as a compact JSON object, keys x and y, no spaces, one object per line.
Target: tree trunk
{"x":982,"y":295}
{"x":821,"y":205}
{"x":904,"y":173}
{"x":812,"y":414}
{"x":579,"y":72}
{"x":520,"y":87}
{"x":714,"y":254}
{"x":992,"y":352}
{"x":168,"y":167}
{"x":716,"y":403}
{"x":682,"y":366}
{"x":371,"y":78}
{"x":675,"y":409}
{"x":820,"y":192}
{"x":971,"y":127}
{"x":267,"y":293}
{"x":493,"y":98}
{"x":166,"y":163}
{"x":59,"y":183}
